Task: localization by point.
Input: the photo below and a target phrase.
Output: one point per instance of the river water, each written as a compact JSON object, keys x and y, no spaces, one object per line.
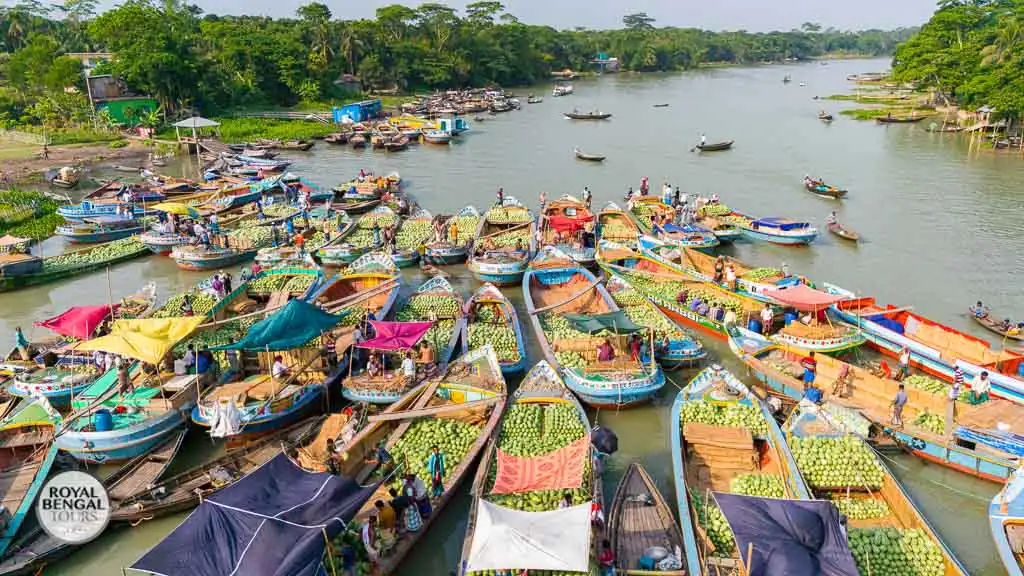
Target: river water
{"x":941,"y":229}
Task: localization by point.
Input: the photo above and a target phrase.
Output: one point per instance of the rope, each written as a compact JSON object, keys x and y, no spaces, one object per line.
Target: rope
{"x":935,"y":482}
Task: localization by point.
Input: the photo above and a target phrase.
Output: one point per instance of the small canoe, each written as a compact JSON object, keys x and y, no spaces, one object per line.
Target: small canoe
{"x":819,"y":188}
{"x":358,"y":141}
{"x":899,"y":120}
{"x":588,"y":116}
{"x":641,"y":521}
{"x":661,"y":105}
{"x":588,"y":157}
{"x":492,"y":319}
{"x":989,"y":322}
{"x":715,"y":147}
{"x":826,"y":118}
{"x":843,"y":232}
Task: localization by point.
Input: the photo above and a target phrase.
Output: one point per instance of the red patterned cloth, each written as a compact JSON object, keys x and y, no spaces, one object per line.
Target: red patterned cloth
{"x":559,"y":470}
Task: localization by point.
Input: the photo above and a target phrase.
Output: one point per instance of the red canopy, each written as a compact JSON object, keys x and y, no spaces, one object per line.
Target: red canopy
{"x":802,"y":297}
{"x":79,"y":321}
{"x":568,"y":224}
{"x":395,"y":335}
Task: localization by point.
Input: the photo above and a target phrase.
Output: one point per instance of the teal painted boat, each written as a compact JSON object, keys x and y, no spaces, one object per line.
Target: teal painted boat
{"x":504,"y":243}
{"x":22,"y":270}
{"x":27,"y":436}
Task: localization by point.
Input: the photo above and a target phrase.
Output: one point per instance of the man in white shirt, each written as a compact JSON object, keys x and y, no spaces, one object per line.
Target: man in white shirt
{"x":189,"y":358}
{"x":408,"y":367}
{"x":767,"y":316}
{"x":979,"y":388}
{"x":279,"y":371}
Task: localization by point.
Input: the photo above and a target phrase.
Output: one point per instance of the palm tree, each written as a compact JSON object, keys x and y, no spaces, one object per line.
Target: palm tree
{"x":349,"y":42}
{"x":1008,"y":38}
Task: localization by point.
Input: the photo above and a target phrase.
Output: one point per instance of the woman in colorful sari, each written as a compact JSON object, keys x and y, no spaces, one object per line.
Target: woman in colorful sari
{"x":411,"y":514}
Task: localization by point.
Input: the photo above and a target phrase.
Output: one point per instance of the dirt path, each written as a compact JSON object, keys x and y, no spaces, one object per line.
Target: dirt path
{"x":22,"y":164}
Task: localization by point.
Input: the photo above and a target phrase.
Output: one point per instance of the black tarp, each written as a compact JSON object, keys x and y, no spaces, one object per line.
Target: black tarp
{"x":270,"y":523}
{"x":604,"y":440}
{"x":788,"y":536}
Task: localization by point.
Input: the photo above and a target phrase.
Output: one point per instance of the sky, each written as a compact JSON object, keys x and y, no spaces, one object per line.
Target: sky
{"x":752,"y":15}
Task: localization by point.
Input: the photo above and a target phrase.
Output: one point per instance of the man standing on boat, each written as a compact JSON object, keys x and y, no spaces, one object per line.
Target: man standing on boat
{"x":897,"y":407}
{"x":436,"y":466}
{"x":767,"y":318}
{"x":904,"y":370}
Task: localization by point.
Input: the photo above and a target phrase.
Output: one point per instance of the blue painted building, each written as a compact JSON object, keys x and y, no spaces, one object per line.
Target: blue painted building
{"x":358,"y":111}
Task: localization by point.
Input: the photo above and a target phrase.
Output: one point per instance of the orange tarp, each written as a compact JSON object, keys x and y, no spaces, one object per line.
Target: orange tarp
{"x":559,"y":470}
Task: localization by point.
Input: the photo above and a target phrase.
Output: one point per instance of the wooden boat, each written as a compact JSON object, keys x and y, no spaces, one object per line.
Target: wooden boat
{"x":94,"y":209}
{"x":541,"y":393}
{"x":988,"y":321}
{"x":187,"y":489}
{"x":661,"y":105}
{"x":722,"y":222}
{"x":205,"y":258}
{"x":396,"y":143}
{"x":358,"y":141}
{"x":587,"y":116}
{"x":413,"y":233}
{"x":337,"y":138}
{"x":819,"y":188}
{"x":436,"y":301}
{"x":893,"y":510}
{"x":783,"y":231}
{"x":534,"y":100}
{"x":826,"y":118}
{"x":23,"y":270}
{"x":67,"y":177}
{"x":641,"y":519}
{"x":503,"y":244}
{"x":452,"y":252}
{"x":673,"y":347}
{"x":27,"y":436}
{"x":357,"y":206}
{"x":615,"y":225}
{"x":100,"y":229}
{"x":469,"y":401}
{"x":899,"y":119}
{"x":1006,"y":518}
{"x":562,"y":90}
{"x":665,"y":285}
{"x":361,"y":240}
{"x":369,"y":286}
{"x":437,"y":137}
{"x":301,"y":145}
{"x":491,"y":318}
{"x":934,"y":348}
{"x":715,"y":147}
{"x":870,"y":394}
{"x":708,"y":458}
{"x":35,"y":549}
{"x":555,"y":285}
{"x":588,"y":157}
{"x":843,"y":232}
{"x":56,"y":383}
{"x":162,"y":243}
{"x":574,"y":216}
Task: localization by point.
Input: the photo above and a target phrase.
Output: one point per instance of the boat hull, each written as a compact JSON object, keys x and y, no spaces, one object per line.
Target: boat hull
{"x":100,"y":237}
{"x":405,"y":259}
{"x":60,"y":399}
{"x":9,"y":283}
{"x":498,"y":274}
{"x":205,"y":264}
{"x":371,"y":396}
{"x":445,"y":255}
{"x":782,"y":240}
{"x":123,"y":444}
{"x":615,"y":394}
{"x":267,"y":423}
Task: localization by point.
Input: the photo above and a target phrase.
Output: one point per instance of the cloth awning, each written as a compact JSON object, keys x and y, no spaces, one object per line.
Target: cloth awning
{"x":79,"y":321}
{"x":788,"y":536}
{"x":780,"y":223}
{"x":196,"y":122}
{"x":148,"y":339}
{"x":176,"y":208}
{"x":568,"y":224}
{"x":616,"y":322}
{"x":273,"y":522}
{"x":802,"y":297}
{"x":395,"y":335}
{"x":507,"y":539}
{"x":292,"y":326}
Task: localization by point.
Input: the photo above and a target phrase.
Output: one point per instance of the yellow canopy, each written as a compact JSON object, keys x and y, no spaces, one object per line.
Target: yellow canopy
{"x":176,"y":208}
{"x":146,"y":339}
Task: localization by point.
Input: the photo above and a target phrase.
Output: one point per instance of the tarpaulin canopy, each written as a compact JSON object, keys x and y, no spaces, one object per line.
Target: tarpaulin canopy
{"x":507,"y":539}
{"x":395,"y":335}
{"x":272,"y":522}
{"x":788,"y":536}
{"x":79,"y":321}
{"x":780,"y":223}
{"x":290,"y":327}
{"x":147,"y":339}
{"x":616,"y":322}
{"x":567,"y":223}
{"x":177,"y":208}
{"x":802,"y":297}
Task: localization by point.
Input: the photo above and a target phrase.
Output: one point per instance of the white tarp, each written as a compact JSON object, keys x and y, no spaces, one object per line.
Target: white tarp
{"x":506,"y":539}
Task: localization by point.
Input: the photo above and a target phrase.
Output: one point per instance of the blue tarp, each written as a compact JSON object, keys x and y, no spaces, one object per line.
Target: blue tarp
{"x":788,"y":536}
{"x":270,"y":523}
{"x":292,"y":326}
{"x":886,"y":323}
{"x":780,"y":223}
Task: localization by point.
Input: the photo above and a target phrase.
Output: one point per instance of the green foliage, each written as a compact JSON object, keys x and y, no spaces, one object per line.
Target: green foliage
{"x":246,"y":129}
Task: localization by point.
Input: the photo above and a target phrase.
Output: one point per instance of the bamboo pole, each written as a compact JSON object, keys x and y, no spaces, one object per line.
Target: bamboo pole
{"x":583,"y":292}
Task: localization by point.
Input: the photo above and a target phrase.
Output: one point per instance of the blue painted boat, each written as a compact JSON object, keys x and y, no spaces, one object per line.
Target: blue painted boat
{"x":972,"y":451}
{"x":235,"y":197}
{"x":88,"y":209}
{"x":264,"y":163}
{"x":717,"y":387}
{"x":504,"y":243}
{"x":689,"y":236}
{"x":448,"y":253}
{"x":934,"y":347}
{"x":204,"y":259}
{"x":810,"y":422}
{"x":261,"y":407}
{"x":631,"y":382}
{"x":57,"y":384}
{"x":369,"y":286}
{"x":1006,"y":521}
{"x":784,"y":231}
{"x":99,"y":229}
{"x":489,"y":307}
{"x":674,"y":348}
{"x":570,"y":215}
{"x":27,"y":435}
{"x":162,"y":243}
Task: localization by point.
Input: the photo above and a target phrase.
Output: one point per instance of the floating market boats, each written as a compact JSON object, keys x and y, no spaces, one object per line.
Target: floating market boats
{"x":645,"y":209}
{"x":562,"y":222}
{"x":381,"y":385}
{"x":206,"y":258}
{"x":98,"y":432}
{"x":27,"y":435}
{"x":100,"y":229}
{"x":885,"y":527}
{"x":673,"y":347}
{"x":162,"y":243}
{"x":436,"y":301}
{"x":437,"y":136}
{"x":22,"y":270}
{"x":187,"y":489}
{"x":109,"y":200}
{"x":808,"y":325}
{"x":819,"y":188}
{"x":615,"y":225}
{"x":367,"y":236}
{"x":454,"y":250}
{"x":412,"y":233}
{"x":974,"y":448}
{"x":685,"y":236}
{"x":503,"y":244}
{"x":722,"y":221}
{"x":457,"y":413}
{"x":934,"y":348}
{"x":1005,"y":520}
{"x":544,"y":424}
{"x":369,"y":286}
{"x":67,"y":177}
{"x":492,"y":319}
{"x":724,"y":440}
{"x":1009,"y":330}
{"x":680,"y":296}
{"x":568,"y":308}
{"x":641,"y":526}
